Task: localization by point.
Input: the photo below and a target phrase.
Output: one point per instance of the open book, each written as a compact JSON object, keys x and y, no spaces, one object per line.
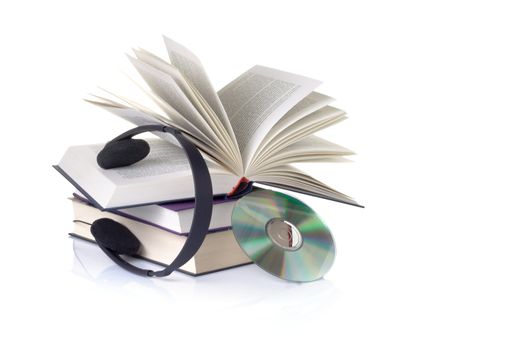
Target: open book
{"x":253,"y":128}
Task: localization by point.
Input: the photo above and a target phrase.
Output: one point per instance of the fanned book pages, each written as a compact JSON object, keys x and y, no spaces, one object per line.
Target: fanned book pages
{"x":253,"y":129}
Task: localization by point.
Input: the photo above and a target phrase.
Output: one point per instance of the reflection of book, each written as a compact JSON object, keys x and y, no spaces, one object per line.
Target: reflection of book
{"x":253,"y":128}
{"x":218,"y":251}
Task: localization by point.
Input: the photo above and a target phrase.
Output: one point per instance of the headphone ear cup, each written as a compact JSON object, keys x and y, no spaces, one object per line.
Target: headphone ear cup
{"x":115,"y":236}
{"x":122,"y":153}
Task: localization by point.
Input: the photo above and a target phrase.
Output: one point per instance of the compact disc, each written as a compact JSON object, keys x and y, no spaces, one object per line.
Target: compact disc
{"x":283,"y":236}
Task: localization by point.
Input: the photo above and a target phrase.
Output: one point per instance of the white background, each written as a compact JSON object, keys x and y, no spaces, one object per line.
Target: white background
{"x":435,"y":97}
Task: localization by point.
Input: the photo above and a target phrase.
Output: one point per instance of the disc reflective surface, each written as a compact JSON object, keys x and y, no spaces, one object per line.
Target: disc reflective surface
{"x":283,"y":236}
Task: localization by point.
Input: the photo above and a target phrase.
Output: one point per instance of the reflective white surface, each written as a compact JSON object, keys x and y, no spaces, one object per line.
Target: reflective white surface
{"x":246,"y":286}
{"x":434,"y":92}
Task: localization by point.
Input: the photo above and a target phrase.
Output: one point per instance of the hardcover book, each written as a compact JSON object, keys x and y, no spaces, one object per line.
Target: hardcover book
{"x":219,"y":250}
{"x":251,"y":130}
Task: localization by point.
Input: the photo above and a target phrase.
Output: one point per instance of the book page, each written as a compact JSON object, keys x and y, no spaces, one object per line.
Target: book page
{"x":166,"y":88}
{"x":302,"y":128}
{"x":310,"y":158}
{"x":198,"y":101}
{"x":311,"y":103}
{"x":191,"y":67}
{"x":139,"y":115}
{"x":293,"y":179}
{"x":309,"y":149}
{"x":257,"y":99}
{"x":308,"y":105}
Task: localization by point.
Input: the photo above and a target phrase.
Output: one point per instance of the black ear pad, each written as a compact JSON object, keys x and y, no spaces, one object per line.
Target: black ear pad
{"x":122,"y":153}
{"x":115,"y":236}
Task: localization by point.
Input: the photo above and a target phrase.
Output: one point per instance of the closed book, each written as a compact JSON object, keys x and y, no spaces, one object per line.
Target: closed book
{"x":177,"y":217}
{"x":219,"y":250}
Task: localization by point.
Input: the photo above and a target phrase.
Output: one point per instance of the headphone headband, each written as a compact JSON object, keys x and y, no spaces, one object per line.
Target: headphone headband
{"x":203,"y":203}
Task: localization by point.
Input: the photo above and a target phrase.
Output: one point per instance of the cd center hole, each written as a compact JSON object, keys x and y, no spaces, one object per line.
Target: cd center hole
{"x":284,"y":234}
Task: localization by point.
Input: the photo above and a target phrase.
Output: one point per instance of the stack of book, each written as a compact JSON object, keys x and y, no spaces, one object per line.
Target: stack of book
{"x":154,"y":199}
{"x":162,"y":230}
{"x":253,"y":129}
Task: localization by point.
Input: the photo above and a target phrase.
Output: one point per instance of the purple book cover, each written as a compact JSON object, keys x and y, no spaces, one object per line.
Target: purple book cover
{"x":178,"y":206}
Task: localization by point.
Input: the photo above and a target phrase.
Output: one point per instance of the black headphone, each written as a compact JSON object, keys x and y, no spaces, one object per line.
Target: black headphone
{"x":114,"y":238}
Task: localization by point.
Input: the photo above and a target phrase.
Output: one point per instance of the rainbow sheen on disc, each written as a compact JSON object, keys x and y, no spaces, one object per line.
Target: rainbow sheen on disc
{"x":266,"y":223}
